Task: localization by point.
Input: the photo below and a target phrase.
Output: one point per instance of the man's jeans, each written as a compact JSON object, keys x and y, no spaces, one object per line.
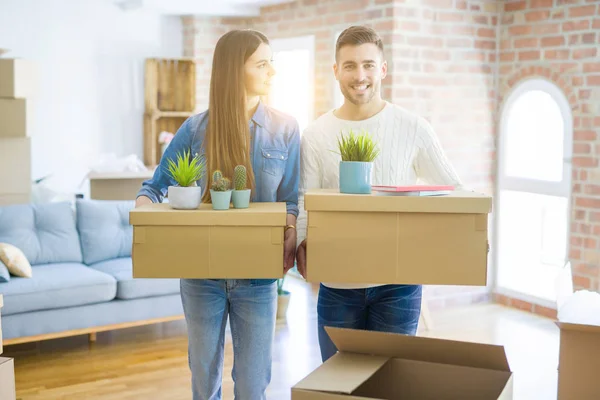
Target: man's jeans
{"x":251,"y":308}
{"x":389,"y":308}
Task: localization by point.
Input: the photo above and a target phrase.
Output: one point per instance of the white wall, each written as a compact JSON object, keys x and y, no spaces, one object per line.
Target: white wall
{"x":90,"y":55}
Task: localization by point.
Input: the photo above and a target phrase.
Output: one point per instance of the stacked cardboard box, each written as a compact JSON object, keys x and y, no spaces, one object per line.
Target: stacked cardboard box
{"x":17,"y":86}
{"x":7,"y":369}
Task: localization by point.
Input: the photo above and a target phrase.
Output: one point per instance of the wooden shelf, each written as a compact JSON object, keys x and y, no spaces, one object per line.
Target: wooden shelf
{"x":170,"y":98}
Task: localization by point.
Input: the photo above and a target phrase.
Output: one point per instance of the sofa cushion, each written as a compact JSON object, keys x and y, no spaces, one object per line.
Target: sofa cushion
{"x":14,"y":260}
{"x":56,"y":286}
{"x":46,"y":232}
{"x":104,"y":229}
{"x":4,"y":275}
{"x":130,"y":288}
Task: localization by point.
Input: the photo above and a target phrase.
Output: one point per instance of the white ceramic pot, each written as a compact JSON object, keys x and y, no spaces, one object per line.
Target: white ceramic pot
{"x":185,"y":198}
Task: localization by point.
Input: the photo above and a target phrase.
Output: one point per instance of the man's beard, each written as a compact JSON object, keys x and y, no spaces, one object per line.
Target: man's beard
{"x":358,"y":100}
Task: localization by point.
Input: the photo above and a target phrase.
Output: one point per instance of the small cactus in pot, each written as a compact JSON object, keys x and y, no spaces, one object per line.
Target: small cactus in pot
{"x":241,"y":194}
{"x":220,"y":191}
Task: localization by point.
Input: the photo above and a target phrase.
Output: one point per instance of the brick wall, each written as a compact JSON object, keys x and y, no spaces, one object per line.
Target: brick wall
{"x":452,"y":61}
{"x":558,"y":40}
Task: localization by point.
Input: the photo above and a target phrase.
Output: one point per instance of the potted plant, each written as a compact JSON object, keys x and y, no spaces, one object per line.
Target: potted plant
{"x":187,"y":195}
{"x":220,"y":191}
{"x":240,"y":194}
{"x":283,"y":299}
{"x":358,"y":153}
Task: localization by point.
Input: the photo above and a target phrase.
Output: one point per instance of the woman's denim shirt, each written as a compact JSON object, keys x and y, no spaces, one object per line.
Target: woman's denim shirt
{"x":275,"y":155}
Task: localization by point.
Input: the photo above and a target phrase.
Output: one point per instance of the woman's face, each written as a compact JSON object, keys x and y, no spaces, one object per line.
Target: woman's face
{"x":259,"y":71}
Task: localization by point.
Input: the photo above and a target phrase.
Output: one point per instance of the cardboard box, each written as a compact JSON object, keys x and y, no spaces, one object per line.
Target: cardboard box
{"x":16,"y":116}
{"x":377,"y":365}
{"x":7,"y":379}
{"x":18,"y":78}
{"x":435,"y":240}
{"x":17,"y":198}
{"x":578,"y":362}
{"x":205,"y":243}
{"x":117,"y":185}
{"x":15,"y":166}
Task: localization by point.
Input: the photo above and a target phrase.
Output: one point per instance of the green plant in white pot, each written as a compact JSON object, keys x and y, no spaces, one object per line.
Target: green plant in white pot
{"x":358,"y":153}
{"x":186,"y":171}
{"x":220,"y":191}
{"x":241,"y":194}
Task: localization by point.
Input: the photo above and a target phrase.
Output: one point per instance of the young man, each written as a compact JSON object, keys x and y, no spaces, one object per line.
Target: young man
{"x":410,"y":151}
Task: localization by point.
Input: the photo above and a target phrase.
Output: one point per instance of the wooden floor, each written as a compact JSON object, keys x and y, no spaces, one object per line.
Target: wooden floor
{"x":151,"y":362}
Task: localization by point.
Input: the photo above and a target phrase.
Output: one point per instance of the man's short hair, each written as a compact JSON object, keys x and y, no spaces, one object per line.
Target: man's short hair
{"x":357,"y":35}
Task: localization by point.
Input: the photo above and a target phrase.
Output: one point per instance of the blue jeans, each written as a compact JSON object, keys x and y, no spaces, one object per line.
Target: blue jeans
{"x":389,"y":308}
{"x":251,"y":307}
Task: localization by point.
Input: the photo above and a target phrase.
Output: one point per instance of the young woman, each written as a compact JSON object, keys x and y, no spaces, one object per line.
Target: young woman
{"x":236,"y":129}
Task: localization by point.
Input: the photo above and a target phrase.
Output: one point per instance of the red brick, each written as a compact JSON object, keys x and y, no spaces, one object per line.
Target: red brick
{"x":507,"y":56}
{"x":540,"y":3}
{"x":587,"y":162}
{"x":486,"y":32}
{"x":587,"y":202}
{"x":527,"y":42}
{"x":596,"y":24}
{"x":576,"y":25}
{"x":529,"y":55}
{"x":591,"y":52}
{"x":544,"y":29}
{"x":485,"y":44}
{"x":374,"y":14}
{"x":582,"y":148}
{"x":425,"y":41}
{"x":589,"y":38}
{"x":540,"y":15}
{"x":593,"y":80}
{"x":592,"y":189}
{"x":584,"y":11}
{"x":481,"y":19}
{"x":581,"y":281}
{"x":408,"y":26}
{"x":515,"y":5}
{"x":459,"y":42}
{"x":450,"y":17}
{"x":545,"y":311}
{"x":553,"y":41}
{"x":520,"y":30}
{"x":438,"y":3}
{"x":556,"y":54}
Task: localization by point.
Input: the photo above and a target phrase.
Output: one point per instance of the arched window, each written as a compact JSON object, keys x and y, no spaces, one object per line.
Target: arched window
{"x":534,"y":190}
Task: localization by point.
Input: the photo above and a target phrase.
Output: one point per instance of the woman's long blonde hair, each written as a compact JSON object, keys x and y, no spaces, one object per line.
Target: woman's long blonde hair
{"x":227,"y":138}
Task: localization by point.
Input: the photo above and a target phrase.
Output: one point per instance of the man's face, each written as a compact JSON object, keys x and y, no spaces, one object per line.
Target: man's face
{"x":360,"y":69}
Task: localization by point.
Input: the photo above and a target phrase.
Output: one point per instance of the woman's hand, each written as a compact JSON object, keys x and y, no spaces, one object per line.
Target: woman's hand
{"x":289,"y":249}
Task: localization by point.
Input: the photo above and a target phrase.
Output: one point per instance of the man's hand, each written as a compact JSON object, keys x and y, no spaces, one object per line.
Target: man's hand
{"x":289,"y":249}
{"x":140,"y":201}
{"x":301,"y":258}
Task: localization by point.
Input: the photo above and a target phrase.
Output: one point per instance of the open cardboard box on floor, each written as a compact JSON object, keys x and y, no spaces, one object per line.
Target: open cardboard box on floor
{"x":377,"y":365}
{"x":207,"y":243}
{"x":433,"y":240}
{"x":579,"y":361}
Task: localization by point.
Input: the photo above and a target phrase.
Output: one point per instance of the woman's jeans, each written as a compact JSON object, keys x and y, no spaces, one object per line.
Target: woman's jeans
{"x":389,"y":308}
{"x":251,"y":308}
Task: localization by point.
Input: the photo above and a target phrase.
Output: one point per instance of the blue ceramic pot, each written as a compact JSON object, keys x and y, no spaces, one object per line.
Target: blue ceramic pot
{"x":355,"y":177}
{"x":220,"y":200}
{"x":241,"y":198}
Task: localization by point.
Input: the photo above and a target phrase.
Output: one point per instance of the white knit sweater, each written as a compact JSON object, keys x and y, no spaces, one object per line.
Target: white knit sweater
{"x":409,"y":153}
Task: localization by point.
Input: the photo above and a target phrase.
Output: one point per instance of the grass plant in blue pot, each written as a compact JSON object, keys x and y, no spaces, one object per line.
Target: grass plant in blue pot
{"x":358,"y":152}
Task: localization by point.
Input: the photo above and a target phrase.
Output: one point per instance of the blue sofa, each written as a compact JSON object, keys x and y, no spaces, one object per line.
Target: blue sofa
{"x":82,"y":273}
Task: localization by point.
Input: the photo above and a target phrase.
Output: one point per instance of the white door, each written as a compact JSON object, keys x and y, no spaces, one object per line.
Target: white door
{"x":293,"y":85}
{"x":534,"y":190}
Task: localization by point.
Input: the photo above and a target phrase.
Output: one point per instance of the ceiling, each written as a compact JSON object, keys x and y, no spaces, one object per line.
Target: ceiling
{"x":199,"y":7}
